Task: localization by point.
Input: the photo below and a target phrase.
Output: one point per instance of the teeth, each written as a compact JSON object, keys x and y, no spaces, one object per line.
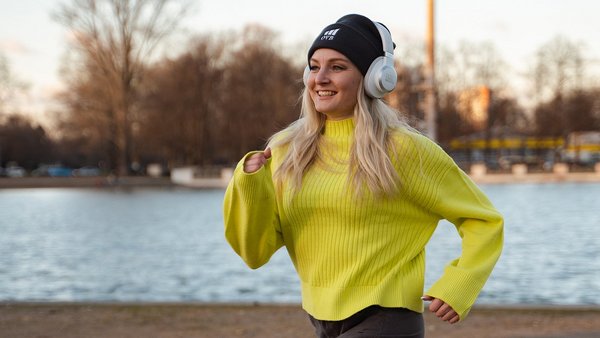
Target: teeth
{"x":325,"y":93}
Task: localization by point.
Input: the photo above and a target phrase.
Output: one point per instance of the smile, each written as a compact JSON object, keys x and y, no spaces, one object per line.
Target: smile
{"x":325,"y":93}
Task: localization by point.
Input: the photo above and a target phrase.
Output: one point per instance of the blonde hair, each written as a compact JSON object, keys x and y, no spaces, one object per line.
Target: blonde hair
{"x":370,"y":162}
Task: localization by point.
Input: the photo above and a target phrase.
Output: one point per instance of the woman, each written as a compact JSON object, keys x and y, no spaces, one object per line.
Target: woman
{"x":354,"y":194}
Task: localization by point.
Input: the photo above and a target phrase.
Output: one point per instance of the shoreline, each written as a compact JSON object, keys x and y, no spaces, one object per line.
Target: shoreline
{"x":66,"y":320}
{"x":577,"y":177}
{"x":104,"y":182}
{"x":100,"y":182}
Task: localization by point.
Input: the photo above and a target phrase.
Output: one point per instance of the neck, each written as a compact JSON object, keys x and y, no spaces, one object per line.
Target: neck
{"x":343,"y":127}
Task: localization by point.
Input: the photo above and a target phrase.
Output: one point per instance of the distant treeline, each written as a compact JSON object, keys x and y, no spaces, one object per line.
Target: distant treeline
{"x":225,"y":94}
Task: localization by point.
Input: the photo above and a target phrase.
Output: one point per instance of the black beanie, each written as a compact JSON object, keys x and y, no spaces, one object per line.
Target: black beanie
{"x":353,"y":35}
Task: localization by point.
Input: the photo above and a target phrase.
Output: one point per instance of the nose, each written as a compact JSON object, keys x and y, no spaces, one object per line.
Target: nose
{"x":322,"y":76}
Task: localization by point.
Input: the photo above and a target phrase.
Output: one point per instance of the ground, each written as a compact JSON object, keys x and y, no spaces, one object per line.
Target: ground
{"x":49,"y":320}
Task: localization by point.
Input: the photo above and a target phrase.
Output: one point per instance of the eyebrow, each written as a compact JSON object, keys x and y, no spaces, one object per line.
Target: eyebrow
{"x":333,"y":60}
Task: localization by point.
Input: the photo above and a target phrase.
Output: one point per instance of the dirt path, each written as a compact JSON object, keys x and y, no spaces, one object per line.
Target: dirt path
{"x":265,"y":321}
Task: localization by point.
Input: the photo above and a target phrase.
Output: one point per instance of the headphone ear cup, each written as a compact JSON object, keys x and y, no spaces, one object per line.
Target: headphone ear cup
{"x":388,"y":79}
{"x":370,"y":81}
{"x":306,"y":75}
{"x":380,"y":78}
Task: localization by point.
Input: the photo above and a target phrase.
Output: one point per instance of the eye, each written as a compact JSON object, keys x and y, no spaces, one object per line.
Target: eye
{"x":313,"y":68}
{"x":338,"y":68}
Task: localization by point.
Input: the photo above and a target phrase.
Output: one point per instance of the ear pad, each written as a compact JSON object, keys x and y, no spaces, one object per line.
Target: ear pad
{"x":381,"y":78}
{"x":306,"y":75}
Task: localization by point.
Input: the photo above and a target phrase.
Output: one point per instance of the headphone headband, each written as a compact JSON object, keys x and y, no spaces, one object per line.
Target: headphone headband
{"x":386,"y":40}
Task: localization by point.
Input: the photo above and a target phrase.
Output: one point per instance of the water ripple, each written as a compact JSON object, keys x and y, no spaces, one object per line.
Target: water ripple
{"x":168,"y":245}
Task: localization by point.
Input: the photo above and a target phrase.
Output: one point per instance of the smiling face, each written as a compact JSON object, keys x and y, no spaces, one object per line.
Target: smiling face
{"x":333,"y":83}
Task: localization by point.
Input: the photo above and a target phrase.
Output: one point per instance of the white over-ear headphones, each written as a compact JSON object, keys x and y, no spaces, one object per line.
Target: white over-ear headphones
{"x":381,"y":77}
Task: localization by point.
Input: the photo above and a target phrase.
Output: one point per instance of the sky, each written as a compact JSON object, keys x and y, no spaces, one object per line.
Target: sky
{"x":34,"y":44}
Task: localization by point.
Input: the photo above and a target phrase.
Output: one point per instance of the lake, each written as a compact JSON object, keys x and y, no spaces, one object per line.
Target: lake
{"x":167,"y":245}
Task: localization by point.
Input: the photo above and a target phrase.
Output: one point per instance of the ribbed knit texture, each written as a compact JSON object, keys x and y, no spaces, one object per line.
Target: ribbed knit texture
{"x":351,"y":252}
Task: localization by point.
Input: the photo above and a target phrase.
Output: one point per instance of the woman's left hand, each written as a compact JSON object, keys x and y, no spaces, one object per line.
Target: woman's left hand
{"x":442,"y":310}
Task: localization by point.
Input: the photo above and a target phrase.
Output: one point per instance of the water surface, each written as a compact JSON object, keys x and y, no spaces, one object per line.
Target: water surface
{"x":168,"y":245}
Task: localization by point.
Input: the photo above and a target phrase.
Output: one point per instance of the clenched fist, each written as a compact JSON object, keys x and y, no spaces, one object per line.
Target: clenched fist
{"x":256,"y":161}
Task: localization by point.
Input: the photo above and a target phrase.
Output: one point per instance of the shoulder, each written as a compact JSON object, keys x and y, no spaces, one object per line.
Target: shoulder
{"x":280,"y":142}
{"x":280,"y":137}
{"x":408,"y":143}
{"x":413,"y":153}
{"x":286,"y":135}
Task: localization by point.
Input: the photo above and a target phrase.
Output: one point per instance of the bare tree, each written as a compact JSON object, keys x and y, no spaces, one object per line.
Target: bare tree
{"x":263,"y":89}
{"x":10,"y":85}
{"x":557,"y":76}
{"x":5,"y":82}
{"x":559,"y":69}
{"x":118,"y":37}
{"x":506,"y":112}
{"x":469,"y":79}
{"x":181,"y":102}
{"x":23,"y":142}
{"x":88,"y":121}
{"x":583,"y":110}
{"x":488,"y":66}
{"x":408,"y":95}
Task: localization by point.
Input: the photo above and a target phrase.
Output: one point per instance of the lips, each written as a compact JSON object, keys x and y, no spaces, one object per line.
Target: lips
{"x":325,"y":93}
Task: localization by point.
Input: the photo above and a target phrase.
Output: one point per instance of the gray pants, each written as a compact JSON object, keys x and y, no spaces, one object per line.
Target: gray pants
{"x":373,"y":322}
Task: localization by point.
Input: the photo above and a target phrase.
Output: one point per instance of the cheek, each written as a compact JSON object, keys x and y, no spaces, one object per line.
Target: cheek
{"x":313,"y":95}
{"x":350,"y":101}
{"x":310,"y":86}
{"x":355,"y":86}
{"x":350,"y":86}
{"x":351,"y":91}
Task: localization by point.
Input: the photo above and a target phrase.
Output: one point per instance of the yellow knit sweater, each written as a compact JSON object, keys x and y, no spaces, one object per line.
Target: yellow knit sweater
{"x":351,"y":252}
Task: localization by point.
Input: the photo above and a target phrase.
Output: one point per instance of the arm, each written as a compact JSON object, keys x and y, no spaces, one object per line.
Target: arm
{"x":480,"y":226}
{"x":250,"y":211}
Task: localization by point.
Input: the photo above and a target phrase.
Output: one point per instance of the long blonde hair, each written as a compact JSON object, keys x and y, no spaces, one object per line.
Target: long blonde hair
{"x":370,"y":162}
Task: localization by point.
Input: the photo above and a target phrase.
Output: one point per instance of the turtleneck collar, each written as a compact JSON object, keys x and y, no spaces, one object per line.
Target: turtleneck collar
{"x":343,"y":127}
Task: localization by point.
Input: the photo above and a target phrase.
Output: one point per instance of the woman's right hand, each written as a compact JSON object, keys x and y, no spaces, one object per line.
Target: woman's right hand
{"x":256,"y":161}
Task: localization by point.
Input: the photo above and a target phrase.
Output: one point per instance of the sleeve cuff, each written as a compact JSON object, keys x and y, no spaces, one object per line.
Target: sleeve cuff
{"x":453,"y":288}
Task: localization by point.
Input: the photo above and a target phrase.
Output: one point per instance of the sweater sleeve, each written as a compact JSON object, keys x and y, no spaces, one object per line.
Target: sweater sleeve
{"x":250,"y":215}
{"x":480,"y":226}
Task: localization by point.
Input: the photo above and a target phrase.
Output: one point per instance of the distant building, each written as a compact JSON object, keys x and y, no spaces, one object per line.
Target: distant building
{"x":474,"y":106}
{"x":582,"y":147}
{"x":501,"y":147}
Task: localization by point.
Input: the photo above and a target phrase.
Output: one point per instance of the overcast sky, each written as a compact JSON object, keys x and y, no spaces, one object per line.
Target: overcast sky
{"x":33,"y":43}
